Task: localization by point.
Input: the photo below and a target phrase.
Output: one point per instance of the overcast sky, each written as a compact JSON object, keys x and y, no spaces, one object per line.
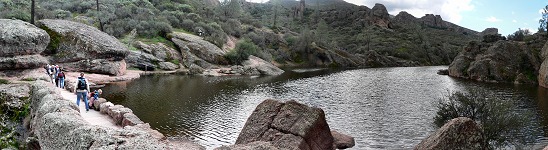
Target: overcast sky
{"x":506,"y":15}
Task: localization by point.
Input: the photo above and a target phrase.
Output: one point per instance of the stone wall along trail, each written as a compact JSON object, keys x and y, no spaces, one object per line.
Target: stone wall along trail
{"x":93,"y":117}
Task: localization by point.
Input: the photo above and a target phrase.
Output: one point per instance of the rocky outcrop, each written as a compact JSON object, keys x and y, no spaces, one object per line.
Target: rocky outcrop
{"x":489,"y":31}
{"x":405,"y":17}
{"x":22,"y":62}
{"x":199,"y":47}
{"x":262,"y":66}
{"x":380,"y":16}
{"x":432,"y":20}
{"x":20,"y":44}
{"x":84,"y":47}
{"x":543,"y":71}
{"x":490,"y":35}
{"x":503,"y":61}
{"x":288,"y":125}
{"x":167,"y":66}
{"x":342,"y":141}
{"x":156,"y":55}
{"x":14,"y":100}
{"x":21,"y":38}
{"x":57,"y":124}
{"x":458,"y":133}
{"x":13,"y":97}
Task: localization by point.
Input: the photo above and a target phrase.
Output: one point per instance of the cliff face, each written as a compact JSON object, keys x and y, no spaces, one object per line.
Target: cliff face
{"x":498,"y":61}
{"x":428,"y":40}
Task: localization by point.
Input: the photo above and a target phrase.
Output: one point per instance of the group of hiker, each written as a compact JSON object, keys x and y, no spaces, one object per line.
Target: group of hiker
{"x":57,"y":76}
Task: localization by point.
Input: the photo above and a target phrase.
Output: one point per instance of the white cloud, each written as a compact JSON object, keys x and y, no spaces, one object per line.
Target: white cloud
{"x":450,"y":10}
{"x":492,"y":19}
{"x":514,"y":21}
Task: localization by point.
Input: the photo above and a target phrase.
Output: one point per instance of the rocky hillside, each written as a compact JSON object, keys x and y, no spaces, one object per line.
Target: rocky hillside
{"x":498,"y":60}
{"x":295,"y":33}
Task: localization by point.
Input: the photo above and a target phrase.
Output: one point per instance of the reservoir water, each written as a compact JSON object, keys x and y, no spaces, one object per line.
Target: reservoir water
{"x":383,"y":108}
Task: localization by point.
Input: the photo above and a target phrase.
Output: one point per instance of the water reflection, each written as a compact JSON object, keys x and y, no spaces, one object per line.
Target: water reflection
{"x":383,"y":108}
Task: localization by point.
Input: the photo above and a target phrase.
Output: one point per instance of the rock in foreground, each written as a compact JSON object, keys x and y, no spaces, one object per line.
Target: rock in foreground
{"x":288,"y":125}
{"x":458,"y":133}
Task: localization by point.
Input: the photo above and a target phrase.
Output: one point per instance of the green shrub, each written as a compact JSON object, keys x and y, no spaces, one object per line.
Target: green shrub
{"x":241,"y":52}
{"x":4,"y":81}
{"x":28,"y":79}
{"x":498,"y":118}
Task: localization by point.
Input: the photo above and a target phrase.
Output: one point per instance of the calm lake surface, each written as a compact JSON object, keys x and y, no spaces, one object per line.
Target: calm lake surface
{"x":383,"y":108}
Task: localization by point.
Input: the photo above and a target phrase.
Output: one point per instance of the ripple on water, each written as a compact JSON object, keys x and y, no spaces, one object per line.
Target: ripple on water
{"x":383,"y":108}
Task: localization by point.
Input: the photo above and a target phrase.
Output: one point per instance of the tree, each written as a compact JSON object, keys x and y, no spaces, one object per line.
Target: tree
{"x":544,"y":20}
{"x":32,"y":10}
{"x":275,"y":8}
{"x":322,"y":32}
{"x":519,"y":35}
{"x":98,"y":18}
{"x":231,"y":8}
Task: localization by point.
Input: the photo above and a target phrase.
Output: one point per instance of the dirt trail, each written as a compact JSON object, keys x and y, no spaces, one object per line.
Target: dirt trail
{"x":92,"y":116}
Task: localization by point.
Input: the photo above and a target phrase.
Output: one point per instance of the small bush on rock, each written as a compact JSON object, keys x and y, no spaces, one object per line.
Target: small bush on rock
{"x":499,"y":118}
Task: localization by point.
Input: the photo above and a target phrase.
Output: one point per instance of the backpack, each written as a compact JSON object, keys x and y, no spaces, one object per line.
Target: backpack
{"x":82,"y":85}
{"x":61,"y":75}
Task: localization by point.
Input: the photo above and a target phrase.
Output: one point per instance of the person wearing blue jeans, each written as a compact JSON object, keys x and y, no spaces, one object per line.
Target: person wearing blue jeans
{"x":82,"y":88}
{"x":61,"y":77}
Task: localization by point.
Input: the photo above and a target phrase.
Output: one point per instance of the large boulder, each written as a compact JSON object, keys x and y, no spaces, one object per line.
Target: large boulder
{"x":342,"y":141}
{"x":73,"y":42}
{"x":288,"y":125}
{"x":22,"y":62}
{"x":154,"y":56}
{"x":199,"y":47}
{"x":137,"y":59}
{"x":502,"y":61}
{"x":262,"y":66}
{"x":103,"y":66}
{"x":458,"y":133}
{"x":13,"y":97}
{"x":21,"y":38}
{"x":20,"y":44}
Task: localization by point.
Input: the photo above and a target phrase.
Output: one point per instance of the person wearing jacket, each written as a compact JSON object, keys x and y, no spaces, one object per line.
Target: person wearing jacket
{"x":82,"y":89}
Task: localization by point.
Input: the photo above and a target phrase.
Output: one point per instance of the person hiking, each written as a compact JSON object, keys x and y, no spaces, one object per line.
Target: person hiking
{"x":49,"y":71}
{"x":82,"y":88}
{"x":94,"y":96}
{"x":56,"y":74}
{"x":61,"y":77}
